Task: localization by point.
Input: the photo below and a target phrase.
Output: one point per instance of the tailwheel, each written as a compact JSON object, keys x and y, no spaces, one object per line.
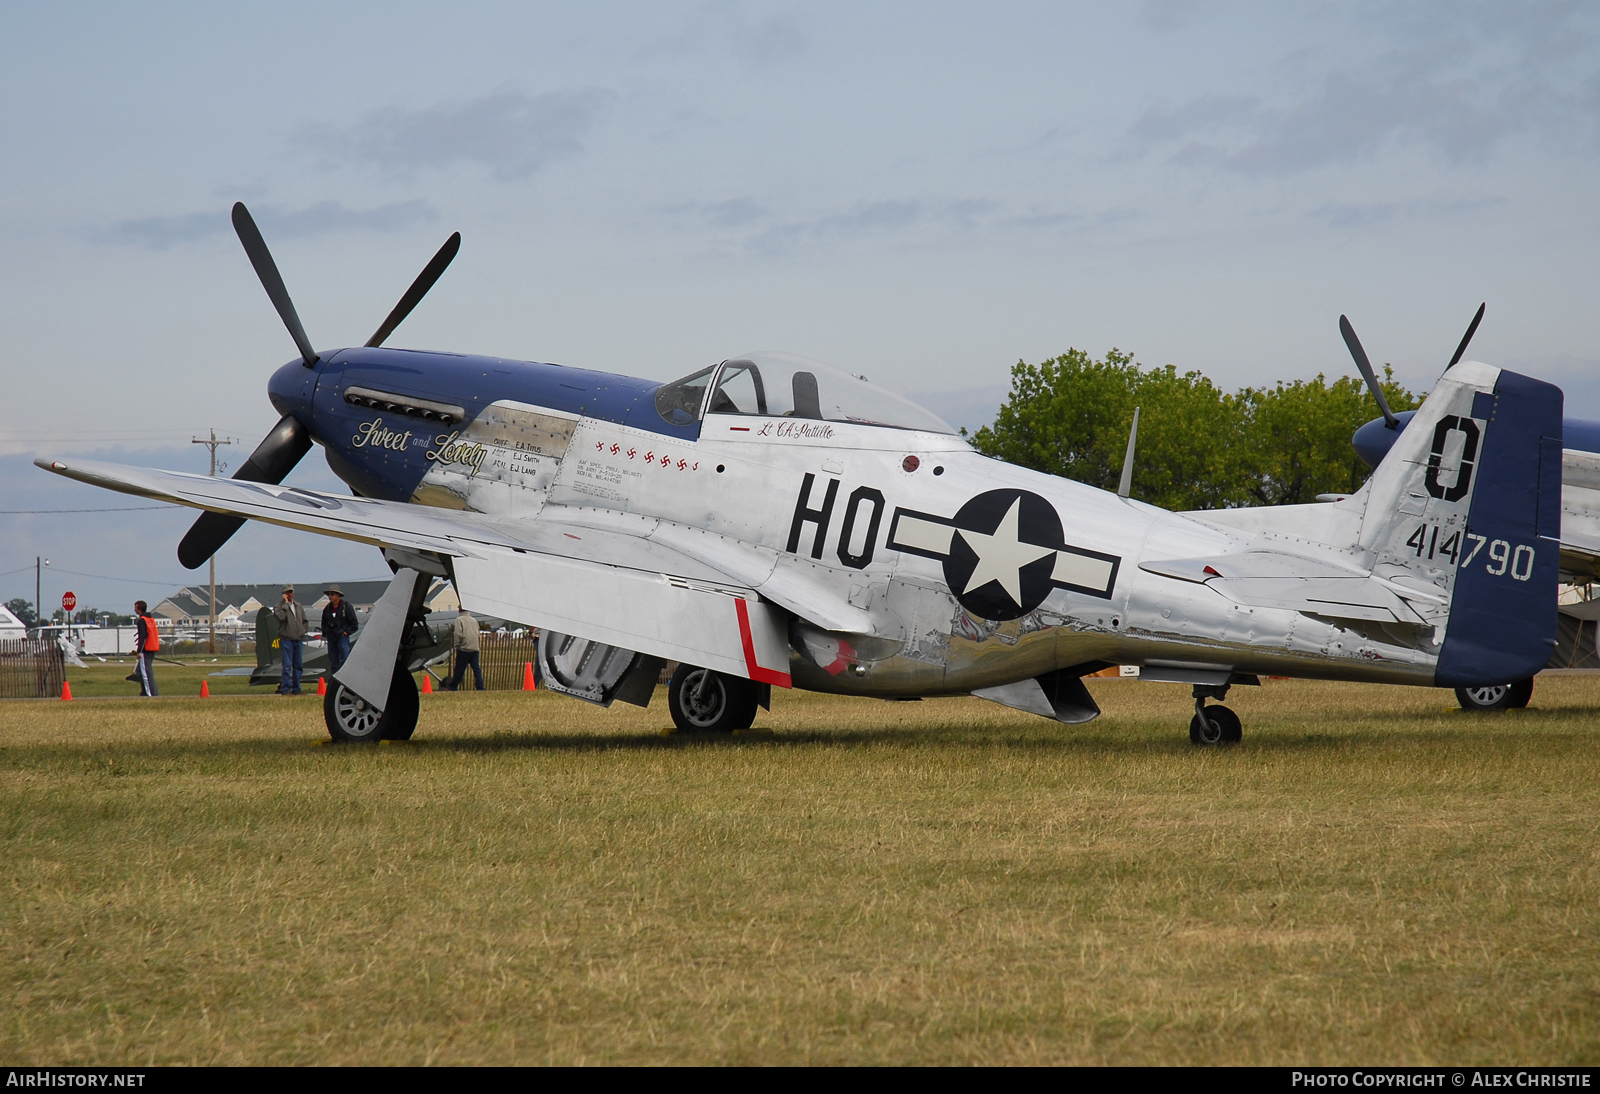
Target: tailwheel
{"x":1215,"y":726}
{"x":1496,"y":696}
{"x":351,"y":718}
{"x":704,"y":701}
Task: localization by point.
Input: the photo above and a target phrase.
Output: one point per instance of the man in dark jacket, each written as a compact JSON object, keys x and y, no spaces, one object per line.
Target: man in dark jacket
{"x":292,"y":628}
{"x":338,"y":627}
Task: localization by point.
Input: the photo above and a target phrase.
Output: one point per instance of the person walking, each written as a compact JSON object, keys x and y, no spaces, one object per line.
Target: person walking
{"x":338,"y":627}
{"x":146,"y":641}
{"x":464,"y":641}
{"x":292,"y":628}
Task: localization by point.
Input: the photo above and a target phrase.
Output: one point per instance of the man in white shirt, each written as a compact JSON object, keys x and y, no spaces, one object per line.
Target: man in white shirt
{"x":464,"y":641}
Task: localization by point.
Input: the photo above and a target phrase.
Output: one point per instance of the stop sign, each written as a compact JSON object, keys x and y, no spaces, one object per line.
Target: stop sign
{"x":69,"y":601}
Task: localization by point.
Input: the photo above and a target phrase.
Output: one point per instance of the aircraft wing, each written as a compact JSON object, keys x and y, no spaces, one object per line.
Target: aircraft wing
{"x":1272,"y":579}
{"x":1580,"y":513}
{"x":633,"y":582}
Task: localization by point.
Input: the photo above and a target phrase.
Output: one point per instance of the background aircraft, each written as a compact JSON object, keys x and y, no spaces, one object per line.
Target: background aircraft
{"x":769,"y":520}
{"x":1580,"y":517}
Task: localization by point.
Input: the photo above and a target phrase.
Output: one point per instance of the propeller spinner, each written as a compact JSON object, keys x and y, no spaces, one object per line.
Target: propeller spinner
{"x":289,"y":440}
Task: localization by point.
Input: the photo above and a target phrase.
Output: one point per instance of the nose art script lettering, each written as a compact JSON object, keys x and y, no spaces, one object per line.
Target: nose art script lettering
{"x":373,"y":435}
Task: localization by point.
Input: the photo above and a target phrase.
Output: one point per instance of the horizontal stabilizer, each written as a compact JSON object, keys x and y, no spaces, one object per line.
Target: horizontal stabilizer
{"x":1274,"y":579}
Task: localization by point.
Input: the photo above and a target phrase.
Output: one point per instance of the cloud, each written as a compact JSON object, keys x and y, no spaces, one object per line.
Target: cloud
{"x":887,"y":217}
{"x":775,"y":38}
{"x":735,"y":213}
{"x":1356,"y":215}
{"x":511,"y":134}
{"x":321,"y":218}
{"x":1458,"y":84}
{"x":753,"y":226}
{"x":1171,"y":15}
{"x":721,"y":28}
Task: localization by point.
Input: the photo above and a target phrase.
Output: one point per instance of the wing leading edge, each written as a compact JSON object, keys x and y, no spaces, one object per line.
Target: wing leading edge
{"x":619,"y":584}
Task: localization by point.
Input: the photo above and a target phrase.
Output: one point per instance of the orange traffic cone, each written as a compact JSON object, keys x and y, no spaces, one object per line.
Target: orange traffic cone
{"x":427,"y":682}
{"x":66,"y":692}
{"x":322,"y":685}
{"x":205,"y":690}
{"x":527,"y":676}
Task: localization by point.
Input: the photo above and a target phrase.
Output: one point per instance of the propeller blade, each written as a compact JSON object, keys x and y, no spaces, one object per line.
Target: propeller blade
{"x":267,"y":271}
{"x":1472,"y":329}
{"x":1367,"y":374}
{"x":419,"y":288}
{"x":271,"y":462}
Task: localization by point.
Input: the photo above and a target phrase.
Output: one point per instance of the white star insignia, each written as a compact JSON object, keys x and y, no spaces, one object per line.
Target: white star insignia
{"x":1001,"y":556}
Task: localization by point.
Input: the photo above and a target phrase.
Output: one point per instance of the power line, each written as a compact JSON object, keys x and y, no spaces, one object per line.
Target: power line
{"x":107,"y":577}
{"x":125,"y":509}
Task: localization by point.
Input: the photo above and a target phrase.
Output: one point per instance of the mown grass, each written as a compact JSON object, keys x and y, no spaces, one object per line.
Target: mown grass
{"x":1372,"y":877}
{"x":177,"y":675}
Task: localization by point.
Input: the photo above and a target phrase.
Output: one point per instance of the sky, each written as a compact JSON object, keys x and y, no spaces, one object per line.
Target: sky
{"x":923,"y":193}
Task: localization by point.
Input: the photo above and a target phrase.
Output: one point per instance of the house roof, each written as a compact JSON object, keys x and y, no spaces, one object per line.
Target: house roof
{"x":194,"y":601}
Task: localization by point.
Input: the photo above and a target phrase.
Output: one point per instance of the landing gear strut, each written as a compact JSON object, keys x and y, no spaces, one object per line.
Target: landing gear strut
{"x":1213,"y":725}
{"x":374,"y":697}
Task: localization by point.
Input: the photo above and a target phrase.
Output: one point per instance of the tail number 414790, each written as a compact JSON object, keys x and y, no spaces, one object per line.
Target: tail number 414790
{"x":1503,"y":557}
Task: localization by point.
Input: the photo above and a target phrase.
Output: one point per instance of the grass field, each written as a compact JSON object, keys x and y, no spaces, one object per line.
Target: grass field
{"x":1372,"y":877}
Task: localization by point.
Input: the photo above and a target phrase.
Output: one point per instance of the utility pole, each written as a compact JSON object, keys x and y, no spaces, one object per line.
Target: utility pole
{"x":212,"y":444}
{"x":38,"y":602}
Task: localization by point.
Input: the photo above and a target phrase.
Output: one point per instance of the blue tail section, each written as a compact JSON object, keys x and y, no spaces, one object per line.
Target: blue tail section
{"x":1502,"y":623}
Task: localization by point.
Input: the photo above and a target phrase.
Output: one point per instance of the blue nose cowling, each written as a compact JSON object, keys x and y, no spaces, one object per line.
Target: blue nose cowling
{"x":1373,"y":440}
{"x":291,"y":387}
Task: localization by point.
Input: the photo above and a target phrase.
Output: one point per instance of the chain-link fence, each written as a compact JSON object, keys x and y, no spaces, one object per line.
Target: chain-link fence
{"x":30,"y":668}
{"x":504,"y":661}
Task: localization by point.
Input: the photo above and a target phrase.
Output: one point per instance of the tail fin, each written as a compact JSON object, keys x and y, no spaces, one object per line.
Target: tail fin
{"x":1467,"y":507}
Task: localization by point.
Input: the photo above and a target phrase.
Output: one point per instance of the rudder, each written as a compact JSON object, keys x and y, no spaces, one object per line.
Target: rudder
{"x":1503,"y":615}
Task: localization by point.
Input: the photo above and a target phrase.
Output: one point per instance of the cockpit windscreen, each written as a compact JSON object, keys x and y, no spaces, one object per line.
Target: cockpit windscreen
{"x":784,"y":385}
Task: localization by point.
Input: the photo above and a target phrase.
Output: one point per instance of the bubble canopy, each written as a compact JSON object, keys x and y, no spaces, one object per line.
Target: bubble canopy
{"x":786,"y":385}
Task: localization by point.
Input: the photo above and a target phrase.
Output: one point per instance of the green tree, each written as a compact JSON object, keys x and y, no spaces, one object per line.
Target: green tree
{"x":23,"y":610}
{"x":1199,"y":447}
{"x":1296,"y":441}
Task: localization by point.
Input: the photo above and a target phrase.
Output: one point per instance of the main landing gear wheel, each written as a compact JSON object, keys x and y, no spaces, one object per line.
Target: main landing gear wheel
{"x":1496,"y":696}
{"x":1215,"y":726}
{"x":352,"y":718}
{"x":704,"y":701}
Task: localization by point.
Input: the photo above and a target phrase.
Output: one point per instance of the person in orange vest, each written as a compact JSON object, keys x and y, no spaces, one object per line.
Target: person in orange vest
{"x":146,"y":641}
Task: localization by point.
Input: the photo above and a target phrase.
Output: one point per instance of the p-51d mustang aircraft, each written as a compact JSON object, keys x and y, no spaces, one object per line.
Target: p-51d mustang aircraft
{"x":770,"y":521}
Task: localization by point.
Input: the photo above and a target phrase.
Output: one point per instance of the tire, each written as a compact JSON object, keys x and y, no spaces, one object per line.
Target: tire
{"x":351,"y":718}
{"x":1495,"y":696}
{"x":1521,"y":692}
{"x":704,"y":701}
{"x":1221,"y":727}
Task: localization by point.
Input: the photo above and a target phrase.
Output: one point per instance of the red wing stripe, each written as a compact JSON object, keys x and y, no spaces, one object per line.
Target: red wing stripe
{"x":757,"y":673}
